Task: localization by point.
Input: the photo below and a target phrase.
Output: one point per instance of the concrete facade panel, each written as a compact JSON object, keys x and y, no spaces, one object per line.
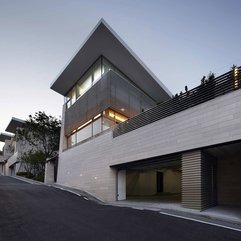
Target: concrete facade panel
{"x":86,"y":166}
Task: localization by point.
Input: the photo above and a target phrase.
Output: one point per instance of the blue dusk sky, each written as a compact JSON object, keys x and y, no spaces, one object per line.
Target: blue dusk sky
{"x":180,"y":41}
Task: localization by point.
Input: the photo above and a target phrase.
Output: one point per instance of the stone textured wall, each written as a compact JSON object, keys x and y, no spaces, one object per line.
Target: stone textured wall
{"x":86,"y":166}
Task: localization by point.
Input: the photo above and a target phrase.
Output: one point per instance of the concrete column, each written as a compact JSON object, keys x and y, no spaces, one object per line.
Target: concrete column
{"x":191,"y":180}
{"x":121,"y":185}
{"x":198,"y":180}
{"x":49,"y":172}
{"x":63,"y":139}
{"x":1,"y":169}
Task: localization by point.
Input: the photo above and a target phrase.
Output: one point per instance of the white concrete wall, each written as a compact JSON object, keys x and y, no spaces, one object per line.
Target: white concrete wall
{"x":8,"y":148}
{"x":20,"y":148}
{"x":13,"y":159}
{"x":1,"y":169}
{"x":121,"y":185}
{"x":49,"y":172}
{"x":5,"y":169}
{"x":86,"y":166}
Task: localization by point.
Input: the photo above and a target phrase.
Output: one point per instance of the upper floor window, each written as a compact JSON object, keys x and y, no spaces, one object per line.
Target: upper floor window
{"x":95,"y":72}
{"x":99,"y":123}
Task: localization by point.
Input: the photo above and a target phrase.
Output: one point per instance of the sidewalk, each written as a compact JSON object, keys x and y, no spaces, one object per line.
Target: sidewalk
{"x":220,"y":215}
{"x":225,"y":216}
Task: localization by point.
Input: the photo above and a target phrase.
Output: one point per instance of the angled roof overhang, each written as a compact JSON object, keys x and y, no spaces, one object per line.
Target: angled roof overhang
{"x":104,"y":41}
{"x":14,"y":124}
{"x":5,"y":136}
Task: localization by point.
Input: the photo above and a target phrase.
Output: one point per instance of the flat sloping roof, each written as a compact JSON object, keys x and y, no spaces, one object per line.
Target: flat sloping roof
{"x":104,"y":41}
{"x":5,"y":136}
{"x":14,"y":124}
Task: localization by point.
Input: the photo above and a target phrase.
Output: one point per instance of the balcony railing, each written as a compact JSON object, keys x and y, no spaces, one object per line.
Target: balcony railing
{"x":221,"y":85}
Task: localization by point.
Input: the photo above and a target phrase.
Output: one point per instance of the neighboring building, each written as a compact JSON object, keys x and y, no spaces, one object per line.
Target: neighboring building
{"x":124,"y":135}
{"x":5,"y":153}
{"x":13,"y":148}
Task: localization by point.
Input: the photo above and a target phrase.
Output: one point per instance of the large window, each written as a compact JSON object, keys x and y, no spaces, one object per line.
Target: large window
{"x":96,"y":125}
{"x":96,"y":71}
{"x":84,"y":86}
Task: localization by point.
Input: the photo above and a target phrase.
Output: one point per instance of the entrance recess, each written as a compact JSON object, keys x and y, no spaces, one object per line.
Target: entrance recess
{"x":157,"y":178}
{"x":159,"y":181}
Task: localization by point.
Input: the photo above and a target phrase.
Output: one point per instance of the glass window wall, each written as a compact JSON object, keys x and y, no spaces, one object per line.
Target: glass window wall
{"x":101,"y":67}
{"x":84,"y":86}
{"x":107,"y":123}
{"x":96,"y":125}
{"x":97,"y":71}
{"x":84,"y":133}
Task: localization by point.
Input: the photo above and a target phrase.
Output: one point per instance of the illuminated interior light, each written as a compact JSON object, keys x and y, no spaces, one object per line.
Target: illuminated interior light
{"x":236,"y":84}
{"x":123,"y":109}
{"x":97,"y":116}
{"x":121,"y":119}
{"x":112,"y":115}
{"x":86,"y":123}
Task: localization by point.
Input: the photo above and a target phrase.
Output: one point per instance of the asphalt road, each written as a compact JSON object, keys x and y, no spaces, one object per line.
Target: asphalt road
{"x":38,"y":212}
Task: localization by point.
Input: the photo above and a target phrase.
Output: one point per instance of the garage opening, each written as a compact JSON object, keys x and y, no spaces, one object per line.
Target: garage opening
{"x":228,"y":170}
{"x":160,"y":184}
{"x":156,"y":180}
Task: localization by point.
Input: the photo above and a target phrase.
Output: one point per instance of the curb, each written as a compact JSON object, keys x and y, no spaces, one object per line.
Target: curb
{"x":197,"y":217}
{"x":86,"y":195}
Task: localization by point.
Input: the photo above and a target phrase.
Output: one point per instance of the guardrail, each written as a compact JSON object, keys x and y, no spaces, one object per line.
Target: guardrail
{"x":221,"y":85}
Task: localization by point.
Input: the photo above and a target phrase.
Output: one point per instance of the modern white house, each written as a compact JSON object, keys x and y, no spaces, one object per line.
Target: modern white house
{"x":5,"y":153}
{"x":125,"y":136}
{"x":13,"y":149}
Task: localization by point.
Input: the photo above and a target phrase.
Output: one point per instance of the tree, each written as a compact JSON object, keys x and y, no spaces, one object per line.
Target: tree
{"x":210,"y":77}
{"x":41,"y":133}
{"x":34,"y":162}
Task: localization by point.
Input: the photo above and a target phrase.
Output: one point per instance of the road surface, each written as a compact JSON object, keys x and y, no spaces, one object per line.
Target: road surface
{"x":38,"y":212}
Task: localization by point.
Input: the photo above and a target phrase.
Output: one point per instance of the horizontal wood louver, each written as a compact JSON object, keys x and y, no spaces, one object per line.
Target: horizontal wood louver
{"x":198,"y":180}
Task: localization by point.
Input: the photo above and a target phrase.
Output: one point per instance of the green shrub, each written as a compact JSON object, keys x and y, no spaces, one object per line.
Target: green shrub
{"x":21,"y":173}
{"x":25,"y":174}
{"x":39,"y":177}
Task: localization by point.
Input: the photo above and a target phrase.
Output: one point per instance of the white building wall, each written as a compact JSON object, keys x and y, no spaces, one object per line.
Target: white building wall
{"x":86,"y":166}
{"x":13,"y":159}
{"x":49,"y":172}
{"x":5,"y":169}
{"x":1,"y":169}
